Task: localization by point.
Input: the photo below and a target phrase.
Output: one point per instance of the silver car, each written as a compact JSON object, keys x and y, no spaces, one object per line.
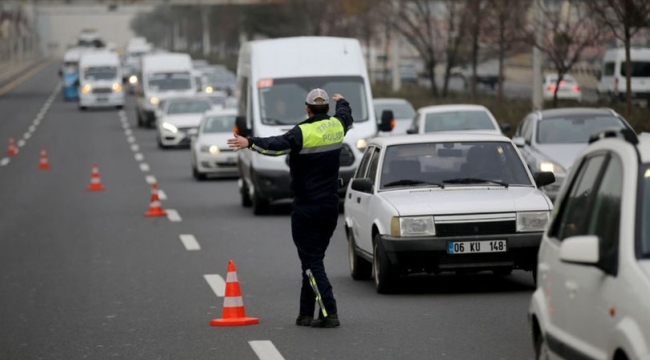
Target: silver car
{"x":551,"y":140}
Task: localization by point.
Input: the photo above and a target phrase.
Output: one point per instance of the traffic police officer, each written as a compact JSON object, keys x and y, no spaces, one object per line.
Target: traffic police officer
{"x":314,"y":147}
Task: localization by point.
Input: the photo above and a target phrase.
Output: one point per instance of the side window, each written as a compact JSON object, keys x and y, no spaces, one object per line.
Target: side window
{"x":606,"y":209}
{"x":363,"y":165}
{"x":243,"y":98}
{"x":527,"y":131}
{"x":608,"y":69}
{"x":374,"y":164}
{"x":571,"y":219}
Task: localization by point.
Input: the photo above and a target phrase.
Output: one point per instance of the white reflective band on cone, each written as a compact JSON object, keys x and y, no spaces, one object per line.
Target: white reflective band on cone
{"x":231,"y":277}
{"x":233,"y":301}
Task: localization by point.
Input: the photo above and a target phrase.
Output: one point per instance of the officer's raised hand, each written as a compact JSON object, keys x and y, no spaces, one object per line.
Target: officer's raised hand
{"x":337,"y":97}
{"x":238,"y":142}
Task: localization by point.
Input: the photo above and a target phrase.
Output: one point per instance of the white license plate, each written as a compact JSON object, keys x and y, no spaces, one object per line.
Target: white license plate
{"x":476,"y":247}
{"x":102,"y":98}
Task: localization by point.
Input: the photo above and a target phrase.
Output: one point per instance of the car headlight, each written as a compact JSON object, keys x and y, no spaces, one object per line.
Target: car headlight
{"x":412,"y":226}
{"x":532,"y":221}
{"x":154,"y":100}
{"x":209,"y":89}
{"x":86,"y":89}
{"x":212,"y":149}
{"x":117,"y":87}
{"x":552,"y":167}
{"x":361,"y":144}
{"x":133,"y":79}
{"x":169,"y":127}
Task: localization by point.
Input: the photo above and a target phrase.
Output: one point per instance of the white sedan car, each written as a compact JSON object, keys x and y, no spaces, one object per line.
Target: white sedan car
{"x":593,"y":280}
{"x":179,"y":119}
{"x":210,"y":152}
{"x":460,"y":202}
{"x":462,"y":117}
{"x":568,"y":90}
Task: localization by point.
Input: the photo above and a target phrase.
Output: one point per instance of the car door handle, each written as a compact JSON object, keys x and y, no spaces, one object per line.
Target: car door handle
{"x":571,"y":287}
{"x":543,"y":270}
{"x":349,"y":196}
{"x":358,"y":200}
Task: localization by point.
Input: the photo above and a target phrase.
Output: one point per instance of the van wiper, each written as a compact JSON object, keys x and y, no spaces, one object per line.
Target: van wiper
{"x":412,"y":182}
{"x":471,"y":180}
{"x":273,"y":121}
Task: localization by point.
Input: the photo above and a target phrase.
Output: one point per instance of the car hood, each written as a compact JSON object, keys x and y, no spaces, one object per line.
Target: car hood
{"x":165,"y":95}
{"x":562,"y":154}
{"x":184,"y":120}
{"x":218,"y":139}
{"x":645,"y":267}
{"x":401,"y":125}
{"x":465,"y":199}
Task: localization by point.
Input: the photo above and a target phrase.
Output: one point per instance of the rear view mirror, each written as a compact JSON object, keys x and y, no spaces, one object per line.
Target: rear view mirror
{"x":580,"y":250}
{"x":241,"y":128}
{"x":412,"y":131}
{"x":363,"y":185}
{"x":387,"y":122}
{"x":544,"y":178}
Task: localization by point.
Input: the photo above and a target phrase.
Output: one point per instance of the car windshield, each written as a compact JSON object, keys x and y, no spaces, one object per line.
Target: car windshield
{"x":574,"y":129}
{"x":188,"y":107}
{"x":219,"y":124}
{"x":100,"y":73}
{"x":70,"y":67}
{"x":219,"y":100}
{"x":169,"y":82}
{"x":219,"y":77}
{"x":639,"y":69}
{"x":458,"y":120}
{"x":282,"y":101}
{"x":453,"y":163}
{"x":400,"y":110}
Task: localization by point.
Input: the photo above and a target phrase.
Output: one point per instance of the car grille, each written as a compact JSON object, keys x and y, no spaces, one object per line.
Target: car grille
{"x":476,"y":228}
{"x":347,"y":156}
{"x":102,"y":90}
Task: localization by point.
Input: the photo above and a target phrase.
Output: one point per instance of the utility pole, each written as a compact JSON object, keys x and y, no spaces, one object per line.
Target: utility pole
{"x":538,"y":101}
{"x":395,"y":58}
{"x":205,"y":15}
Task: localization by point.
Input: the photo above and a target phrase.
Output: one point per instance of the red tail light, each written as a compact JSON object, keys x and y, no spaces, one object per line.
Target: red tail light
{"x":551,"y":88}
{"x":576,"y":88}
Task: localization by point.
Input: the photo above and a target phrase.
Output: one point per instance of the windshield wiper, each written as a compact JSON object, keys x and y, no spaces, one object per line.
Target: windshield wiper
{"x":412,"y":182}
{"x":471,"y":180}
{"x":274,"y":121}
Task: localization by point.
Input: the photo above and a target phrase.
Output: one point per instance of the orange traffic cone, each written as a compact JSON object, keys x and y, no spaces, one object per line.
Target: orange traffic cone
{"x":233,"y":313}
{"x":12,"y":150}
{"x":95,"y":181}
{"x":44,"y":164}
{"x":155,"y":209}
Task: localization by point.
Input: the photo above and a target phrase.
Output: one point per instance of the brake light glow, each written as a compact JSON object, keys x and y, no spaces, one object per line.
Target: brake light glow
{"x":264,"y":83}
{"x":576,"y":88}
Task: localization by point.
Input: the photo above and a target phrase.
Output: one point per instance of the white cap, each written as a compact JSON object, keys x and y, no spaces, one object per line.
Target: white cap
{"x":317,"y":97}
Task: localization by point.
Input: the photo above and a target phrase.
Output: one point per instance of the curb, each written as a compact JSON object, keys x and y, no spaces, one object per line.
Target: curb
{"x":19,"y":69}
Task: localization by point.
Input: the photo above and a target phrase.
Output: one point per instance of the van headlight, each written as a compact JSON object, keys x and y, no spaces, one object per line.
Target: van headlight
{"x":154,"y":100}
{"x":169,"y":127}
{"x":133,"y":79}
{"x":532,"y":221}
{"x":412,"y":226}
{"x":86,"y":89}
{"x":552,"y":167}
{"x":209,"y":90}
{"x":212,"y":149}
{"x":361,"y":144}
{"x":117,"y":87}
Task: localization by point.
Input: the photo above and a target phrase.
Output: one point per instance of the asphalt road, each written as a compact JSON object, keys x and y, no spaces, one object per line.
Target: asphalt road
{"x":83,"y":275}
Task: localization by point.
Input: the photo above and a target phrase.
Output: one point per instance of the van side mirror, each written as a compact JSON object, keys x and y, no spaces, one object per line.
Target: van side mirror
{"x":77,"y":83}
{"x":241,"y":128}
{"x":583,"y":250}
{"x":364,"y":185}
{"x":544,"y":178}
{"x":387,"y":122}
{"x":519,"y":141}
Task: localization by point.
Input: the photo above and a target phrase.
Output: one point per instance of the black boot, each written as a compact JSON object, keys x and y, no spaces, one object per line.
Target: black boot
{"x":304,"y":320}
{"x":331,"y":321}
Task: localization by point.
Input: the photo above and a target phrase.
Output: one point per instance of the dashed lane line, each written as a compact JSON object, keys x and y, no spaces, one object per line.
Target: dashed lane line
{"x":5,"y":161}
{"x":128,"y":132}
{"x":144,"y":167}
{"x":190,"y":243}
{"x":20,"y":143}
{"x":173,"y":215}
{"x":265,"y":350}
{"x":135,"y":147}
{"x":162,"y":195}
{"x":130,"y":139}
{"x":138,"y":156}
{"x":27,"y":135}
{"x":150,"y":179}
{"x":32,"y":128}
{"x":217,"y":284}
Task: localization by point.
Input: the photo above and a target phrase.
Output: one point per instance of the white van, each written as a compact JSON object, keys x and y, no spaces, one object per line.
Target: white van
{"x":131,"y":63}
{"x":611,"y":84}
{"x":100,"y":80}
{"x":273,"y":79}
{"x":162,"y":76}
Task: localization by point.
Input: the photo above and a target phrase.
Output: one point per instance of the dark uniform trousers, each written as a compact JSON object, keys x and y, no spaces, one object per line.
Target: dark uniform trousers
{"x":312,"y":226}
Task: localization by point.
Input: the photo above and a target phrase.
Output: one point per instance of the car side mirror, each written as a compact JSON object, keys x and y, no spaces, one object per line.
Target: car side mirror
{"x":504,"y":128}
{"x":544,"y":178}
{"x":363,"y":184}
{"x":387,"y":122}
{"x":412,"y":131}
{"x":241,"y":128}
{"x":60,"y":73}
{"x":77,"y":83}
{"x":584,"y":250}
{"x":519,"y":141}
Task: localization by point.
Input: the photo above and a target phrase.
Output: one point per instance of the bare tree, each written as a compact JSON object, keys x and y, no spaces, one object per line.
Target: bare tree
{"x":567,"y":30}
{"x":454,"y":30}
{"x":624,"y":18}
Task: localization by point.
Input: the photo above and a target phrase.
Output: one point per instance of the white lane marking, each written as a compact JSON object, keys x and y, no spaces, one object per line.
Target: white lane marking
{"x":128,"y":132}
{"x":217,"y":284}
{"x":173,"y":215}
{"x":135,"y":147}
{"x":190,"y":242}
{"x":130,"y":139}
{"x":150,"y":179}
{"x":138,"y":157}
{"x":4,"y":161}
{"x":21,"y":143}
{"x":162,"y":195}
{"x":121,"y":113}
{"x":265,"y":350}
{"x":144,"y":167}
{"x":36,"y":122}
{"x":27,"y":135}
{"x":32,"y":128}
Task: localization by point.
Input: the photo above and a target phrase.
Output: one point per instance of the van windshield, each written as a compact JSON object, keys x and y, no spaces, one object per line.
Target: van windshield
{"x":639,"y":69}
{"x":169,"y":82}
{"x":282,"y":101}
{"x":100,"y":73}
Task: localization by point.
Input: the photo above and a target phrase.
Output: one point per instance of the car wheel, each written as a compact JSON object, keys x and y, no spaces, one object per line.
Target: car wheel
{"x":197,"y":175}
{"x":385,"y":273}
{"x":505,"y":271}
{"x":139,"y":117}
{"x":119,"y":107}
{"x":245,"y":196}
{"x":82,"y":108}
{"x":541,"y":348}
{"x":260,"y":205}
{"x":360,"y":269}
{"x":160,"y":144}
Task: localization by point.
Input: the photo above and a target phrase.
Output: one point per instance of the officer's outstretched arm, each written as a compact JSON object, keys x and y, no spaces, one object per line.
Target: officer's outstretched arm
{"x":273,"y":145}
{"x":344,"y":113}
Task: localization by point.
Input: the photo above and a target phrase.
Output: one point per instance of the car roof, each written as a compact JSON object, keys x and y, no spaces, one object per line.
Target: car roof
{"x":561,"y":112}
{"x":379,"y":101}
{"x":185,"y":99}
{"x":222,"y":111}
{"x":644,"y":147}
{"x":447,"y":136}
{"x":454,"y":107}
